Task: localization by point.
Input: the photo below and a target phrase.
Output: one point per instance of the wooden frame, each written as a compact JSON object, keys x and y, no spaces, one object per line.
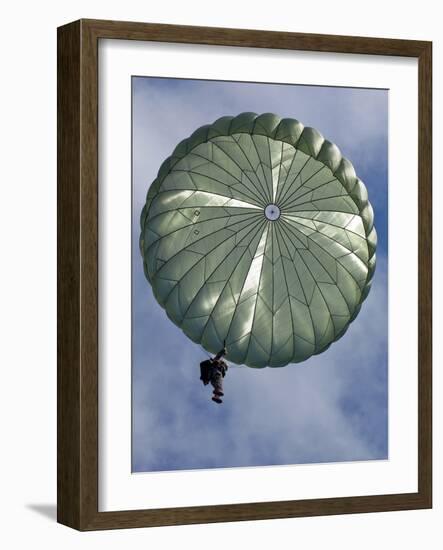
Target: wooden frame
{"x":77,"y":457}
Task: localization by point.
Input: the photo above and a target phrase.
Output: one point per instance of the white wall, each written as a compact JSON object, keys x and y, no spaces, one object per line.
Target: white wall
{"x":28,"y":271}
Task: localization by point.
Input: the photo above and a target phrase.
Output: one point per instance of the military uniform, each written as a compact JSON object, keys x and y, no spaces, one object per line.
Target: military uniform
{"x":218,"y":371}
{"x":213,"y":371}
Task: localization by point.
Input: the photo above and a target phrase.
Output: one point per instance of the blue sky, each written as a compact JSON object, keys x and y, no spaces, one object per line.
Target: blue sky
{"x":332,"y":407}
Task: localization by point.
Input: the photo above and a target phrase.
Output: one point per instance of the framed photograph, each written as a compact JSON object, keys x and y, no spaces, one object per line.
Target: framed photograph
{"x":244,"y":275}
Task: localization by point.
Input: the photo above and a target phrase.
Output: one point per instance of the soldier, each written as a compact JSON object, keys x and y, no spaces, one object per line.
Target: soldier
{"x":218,"y":372}
{"x":213,"y":371}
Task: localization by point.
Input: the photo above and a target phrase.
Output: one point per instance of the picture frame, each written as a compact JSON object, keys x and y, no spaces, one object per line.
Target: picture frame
{"x":78,"y":281}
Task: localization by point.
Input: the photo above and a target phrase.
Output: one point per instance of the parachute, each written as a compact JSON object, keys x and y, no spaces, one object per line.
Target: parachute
{"x":257,"y":231}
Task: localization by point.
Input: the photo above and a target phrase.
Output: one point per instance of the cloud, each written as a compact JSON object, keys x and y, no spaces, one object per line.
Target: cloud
{"x":332,"y":407}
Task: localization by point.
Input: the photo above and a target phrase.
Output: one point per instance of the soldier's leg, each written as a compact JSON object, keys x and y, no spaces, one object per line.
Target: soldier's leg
{"x":216,"y":381}
{"x":218,"y":384}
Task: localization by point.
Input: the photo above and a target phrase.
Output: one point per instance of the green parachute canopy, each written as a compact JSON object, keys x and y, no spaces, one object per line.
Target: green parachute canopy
{"x":258,"y":232}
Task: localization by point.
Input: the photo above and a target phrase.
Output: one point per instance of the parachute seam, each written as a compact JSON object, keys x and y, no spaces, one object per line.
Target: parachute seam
{"x":336,"y":261}
{"x":295,"y":201}
{"x":274,"y":200}
{"x":350,"y":251}
{"x":228,"y":281}
{"x":252,"y":198}
{"x":277,"y":198}
{"x":252,"y":168}
{"x":215,"y":144}
{"x":256,"y":297}
{"x":260,"y":163}
{"x":305,"y":182}
{"x":323,"y":298}
{"x":201,"y":238}
{"x":273,"y":285}
{"x":195,"y":224}
{"x":265,"y":200}
{"x":215,"y":269}
{"x":283,"y":229}
{"x":271,"y":171}
{"x":190,"y":269}
{"x":336,"y":337}
{"x":313,"y":201}
{"x":285,"y":194}
{"x":239,"y":167}
{"x":329,"y":223}
{"x":278,"y":230}
{"x":255,"y":210}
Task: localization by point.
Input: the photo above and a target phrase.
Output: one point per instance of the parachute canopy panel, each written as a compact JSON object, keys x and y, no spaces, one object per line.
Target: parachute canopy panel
{"x":258,"y":232}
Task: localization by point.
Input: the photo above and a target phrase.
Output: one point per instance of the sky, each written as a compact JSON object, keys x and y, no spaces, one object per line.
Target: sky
{"x":332,"y":407}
